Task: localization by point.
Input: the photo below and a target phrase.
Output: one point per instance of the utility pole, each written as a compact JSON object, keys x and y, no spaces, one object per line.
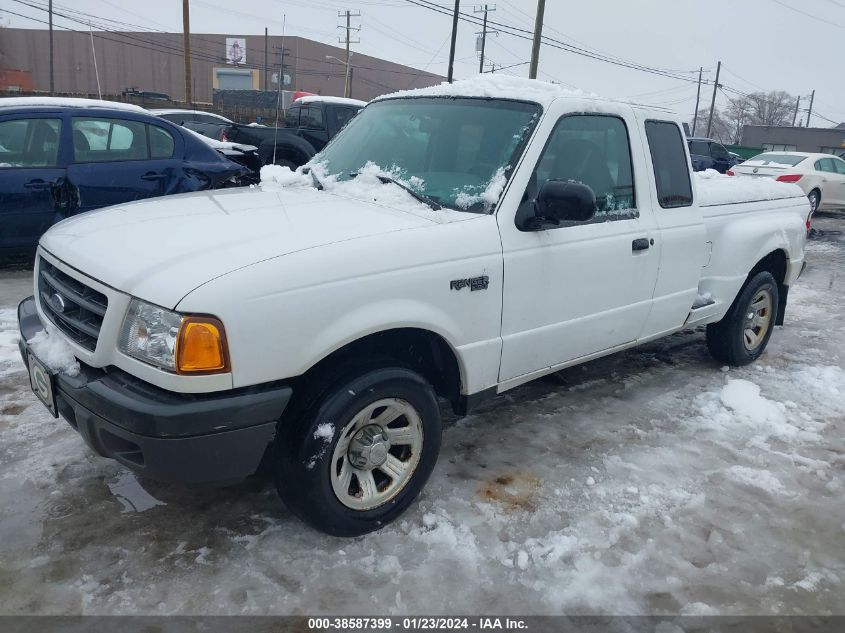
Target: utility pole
{"x":538,"y":34}
{"x":265,"y":58}
{"x":795,"y":116}
{"x":52,"y":76}
{"x":483,"y":33}
{"x":713,"y":102}
{"x":455,"y":15}
{"x":348,"y":40}
{"x":697,"y":100}
{"x":94,"y":55}
{"x":810,"y":111}
{"x":186,"y":33}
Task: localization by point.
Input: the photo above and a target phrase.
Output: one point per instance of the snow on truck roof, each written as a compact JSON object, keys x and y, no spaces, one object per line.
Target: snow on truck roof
{"x":67,"y":102}
{"x":337,"y":100}
{"x":509,"y":87}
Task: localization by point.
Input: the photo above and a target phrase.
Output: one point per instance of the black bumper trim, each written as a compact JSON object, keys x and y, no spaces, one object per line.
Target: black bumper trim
{"x":191,"y":438}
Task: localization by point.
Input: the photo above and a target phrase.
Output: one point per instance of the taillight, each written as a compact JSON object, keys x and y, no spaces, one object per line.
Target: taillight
{"x":729,"y":173}
{"x":790,"y":178}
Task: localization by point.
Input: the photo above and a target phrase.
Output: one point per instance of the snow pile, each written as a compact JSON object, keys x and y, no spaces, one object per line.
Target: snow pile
{"x":52,"y":350}
{"x":495,"y":86}
{"x":715,"y":189}
{"x":365,"y":186}
{"x":10,"y":358}
{"x":327,"y":99}
{"x":68,"y":102}
{"x":215,"y":144}
{"x":488,"y":197}
{"x":131,"y":495}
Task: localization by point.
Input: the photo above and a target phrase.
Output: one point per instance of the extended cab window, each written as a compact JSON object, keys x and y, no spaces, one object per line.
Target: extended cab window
{"x":29,"y":142}
{"x":593,"y":150}
{"x":671,"y":168}
{"x":106,"y":140}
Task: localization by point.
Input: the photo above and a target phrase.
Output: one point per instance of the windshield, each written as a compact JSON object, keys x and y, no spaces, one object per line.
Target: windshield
{"x":778,"y":159}
{"x":458,"y":153}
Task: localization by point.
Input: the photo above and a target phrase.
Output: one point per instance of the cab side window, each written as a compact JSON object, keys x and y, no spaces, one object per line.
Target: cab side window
{"x":593,"y":150}
{"x":292,"y":117}
{"x":311,"y":117}
{"x":671,"y":167}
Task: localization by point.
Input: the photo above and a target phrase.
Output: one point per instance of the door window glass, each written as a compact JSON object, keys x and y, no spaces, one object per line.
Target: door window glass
{"x":99,"y":140}
{"x":718,"y":152}
{"x":839,"y":165}
{"x":292,"y":117}
{"x":161,"y":143}
{"x":671,"y":169}
{"x":312,"y":117}
{"x":592,"y":150}
{"x":342,"y":116}
{"x":29,"y":142}
{"x":699,"y":148}
{"x":825,"y":165}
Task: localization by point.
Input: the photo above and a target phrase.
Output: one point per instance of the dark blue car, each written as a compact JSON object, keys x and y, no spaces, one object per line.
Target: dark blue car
{"x":709,"y":154}
{"x":66,"y":158}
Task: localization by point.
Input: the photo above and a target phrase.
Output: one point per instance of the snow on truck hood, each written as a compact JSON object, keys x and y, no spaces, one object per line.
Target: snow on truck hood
{"x":160,"y":250}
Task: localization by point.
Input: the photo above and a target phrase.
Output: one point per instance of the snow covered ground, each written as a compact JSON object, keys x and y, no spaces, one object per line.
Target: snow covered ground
{"x":651,"y":482}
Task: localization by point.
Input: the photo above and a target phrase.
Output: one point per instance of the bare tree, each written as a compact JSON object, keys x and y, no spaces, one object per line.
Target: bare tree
{"x":721,"y":130}
{"x":772,"y":108}
{"x":738,"y":114}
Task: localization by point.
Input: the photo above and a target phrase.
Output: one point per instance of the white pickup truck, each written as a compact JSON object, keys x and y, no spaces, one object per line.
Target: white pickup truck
{"x":452,"y":242}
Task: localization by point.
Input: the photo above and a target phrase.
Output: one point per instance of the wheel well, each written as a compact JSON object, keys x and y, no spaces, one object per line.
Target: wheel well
{"x":420,"y":350}
{"x":775,"y":263}
{"x":287,"y":153}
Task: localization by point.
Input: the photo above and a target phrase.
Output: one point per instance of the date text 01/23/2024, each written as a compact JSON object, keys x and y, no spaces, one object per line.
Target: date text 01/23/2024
{"x":415,"y":624}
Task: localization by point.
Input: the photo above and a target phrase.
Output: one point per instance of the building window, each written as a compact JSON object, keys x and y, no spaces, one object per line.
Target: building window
{"x":775,"y":147}
{"x":836,"y":151}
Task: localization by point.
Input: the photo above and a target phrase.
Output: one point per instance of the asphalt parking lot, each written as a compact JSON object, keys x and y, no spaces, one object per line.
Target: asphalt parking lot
{"x":650,"y":482}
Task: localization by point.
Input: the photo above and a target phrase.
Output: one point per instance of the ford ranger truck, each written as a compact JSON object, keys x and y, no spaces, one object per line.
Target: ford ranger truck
{"x":450,"y":244}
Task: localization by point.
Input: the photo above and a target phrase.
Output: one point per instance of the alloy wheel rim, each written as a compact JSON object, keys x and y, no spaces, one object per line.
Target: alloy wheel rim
{"x":377,"y":453}
{"x":758,"y":319}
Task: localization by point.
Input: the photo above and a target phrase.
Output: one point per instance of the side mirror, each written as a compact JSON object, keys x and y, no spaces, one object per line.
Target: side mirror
{"x":563,"y":201}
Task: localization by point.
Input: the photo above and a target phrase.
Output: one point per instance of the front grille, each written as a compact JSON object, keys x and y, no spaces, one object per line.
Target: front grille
{"x":74,"y":308}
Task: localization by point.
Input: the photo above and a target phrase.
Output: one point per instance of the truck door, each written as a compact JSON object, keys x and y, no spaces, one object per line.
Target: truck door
{"x":583,"y":287}
{"x":683,"y":239}
{"x":312,"y":126}
{"x":32,"y":190}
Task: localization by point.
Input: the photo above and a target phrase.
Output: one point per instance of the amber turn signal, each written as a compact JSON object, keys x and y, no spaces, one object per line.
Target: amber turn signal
{"x":201,"y":347}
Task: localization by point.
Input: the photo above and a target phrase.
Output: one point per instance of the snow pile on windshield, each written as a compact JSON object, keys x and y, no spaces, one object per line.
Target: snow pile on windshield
{"x":495,"y":86}
{"x":366,"y":185}
{"x":715,"y":188}
{"x":488,"y":197}
{"x":52,"y":350}
{"x":68,"y":102}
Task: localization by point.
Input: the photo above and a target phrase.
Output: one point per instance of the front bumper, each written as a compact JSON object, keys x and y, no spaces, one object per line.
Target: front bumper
{"x":216,"y":437}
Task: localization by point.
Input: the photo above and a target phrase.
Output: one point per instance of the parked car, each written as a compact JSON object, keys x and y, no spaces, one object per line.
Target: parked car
{"x":310,"y":123}
{"x":707,"y":154}
{"x":180,"y":117}
{"x":820,"y":176}
{"x":61,"y":157}
{"x":311,"y":325}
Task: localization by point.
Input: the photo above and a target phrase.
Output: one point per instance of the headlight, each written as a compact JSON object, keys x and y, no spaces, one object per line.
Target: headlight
{"x":172,"y":341}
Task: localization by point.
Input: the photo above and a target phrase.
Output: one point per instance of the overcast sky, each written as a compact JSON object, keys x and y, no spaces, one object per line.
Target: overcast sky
{"x":764,"y":44}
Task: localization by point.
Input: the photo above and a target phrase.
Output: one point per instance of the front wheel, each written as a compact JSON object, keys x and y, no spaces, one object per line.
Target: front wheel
{"x":358,"y":457}
{"x":742,"y":335}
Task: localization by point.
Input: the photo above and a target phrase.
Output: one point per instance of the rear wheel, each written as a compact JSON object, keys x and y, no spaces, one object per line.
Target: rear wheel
{"x":357,"y":458}
{"x":815,"y":199}
{"x":742,"y":335}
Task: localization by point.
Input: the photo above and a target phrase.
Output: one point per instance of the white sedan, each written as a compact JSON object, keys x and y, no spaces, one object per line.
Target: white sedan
{"x":821,"y":176}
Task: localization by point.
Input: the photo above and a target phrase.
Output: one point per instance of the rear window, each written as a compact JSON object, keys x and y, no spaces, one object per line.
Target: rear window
{"x":671,"y":168}
{"x":777,"y":159}
{"x":699,"y":148}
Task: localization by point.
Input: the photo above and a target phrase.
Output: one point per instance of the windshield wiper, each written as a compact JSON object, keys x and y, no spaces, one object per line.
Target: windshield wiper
{"x":317,"y":184}
{"x":421,"y":197}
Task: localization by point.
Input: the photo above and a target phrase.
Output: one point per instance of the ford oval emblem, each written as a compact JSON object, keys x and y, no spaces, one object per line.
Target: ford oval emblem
{"x":57,"y":302}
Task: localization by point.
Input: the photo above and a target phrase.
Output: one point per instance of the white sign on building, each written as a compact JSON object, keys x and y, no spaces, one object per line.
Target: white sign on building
{"x":235,"y":50}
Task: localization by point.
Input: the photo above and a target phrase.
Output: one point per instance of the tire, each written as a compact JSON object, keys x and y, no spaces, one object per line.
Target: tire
{"x":323,"y":455}
{"x":284,"y":162}
{"x":740,"y":338}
